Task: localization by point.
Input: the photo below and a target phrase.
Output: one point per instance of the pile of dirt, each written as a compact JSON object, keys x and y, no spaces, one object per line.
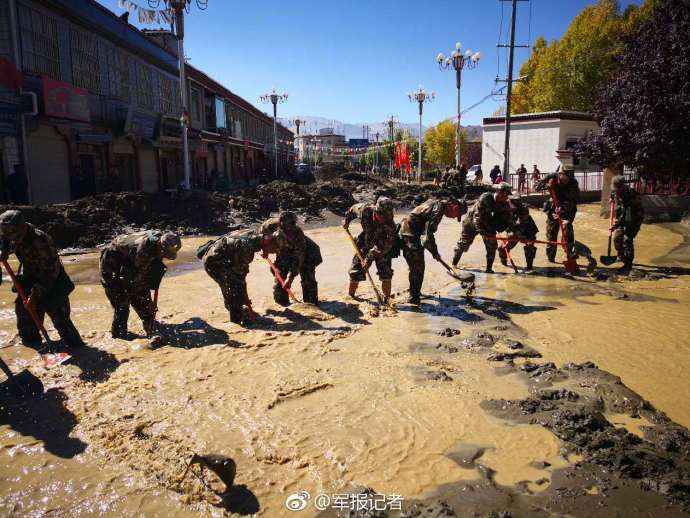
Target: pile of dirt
{"x":92,"y":221}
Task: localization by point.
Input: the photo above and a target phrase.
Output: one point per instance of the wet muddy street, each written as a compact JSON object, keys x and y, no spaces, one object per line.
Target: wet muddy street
{"x":462,"y":401}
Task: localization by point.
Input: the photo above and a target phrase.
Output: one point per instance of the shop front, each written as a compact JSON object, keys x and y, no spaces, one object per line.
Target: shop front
{"x":169,"y":146}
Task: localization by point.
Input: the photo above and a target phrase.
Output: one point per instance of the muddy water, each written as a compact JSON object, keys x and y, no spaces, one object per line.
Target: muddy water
{"x":321,"y":400}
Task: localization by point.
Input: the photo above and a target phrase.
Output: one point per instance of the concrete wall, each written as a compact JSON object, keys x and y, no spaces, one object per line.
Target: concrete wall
{"x":531,"y":142}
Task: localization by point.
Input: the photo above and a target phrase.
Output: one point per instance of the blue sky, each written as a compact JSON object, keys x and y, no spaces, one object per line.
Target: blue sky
{"x":355,"y":60}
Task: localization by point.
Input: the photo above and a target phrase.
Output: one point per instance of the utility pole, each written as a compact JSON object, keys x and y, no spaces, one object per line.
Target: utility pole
{"x":511,"y":55}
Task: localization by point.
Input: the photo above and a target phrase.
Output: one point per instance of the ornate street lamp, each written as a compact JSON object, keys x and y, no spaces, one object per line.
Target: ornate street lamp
{"x":457,"y":61}
{"x":420,"y":96}
{"x":274,"y":98}
{"x":178,"y":7}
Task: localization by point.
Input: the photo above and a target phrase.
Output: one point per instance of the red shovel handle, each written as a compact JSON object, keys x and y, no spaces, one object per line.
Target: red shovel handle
{"x":25,"y":300}
{"x":280,"y":279}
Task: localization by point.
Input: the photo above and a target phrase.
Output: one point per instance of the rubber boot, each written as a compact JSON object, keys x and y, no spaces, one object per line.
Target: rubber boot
{"x":503,"y":256}
{"x":352,"y":289}
{"x":490,"y":257}
{"x":119,"y":327}
{"x":626,"y":268}
{"x":530,"y":253}
{"x":386,"y":289}
{"x":456,"y":258}
{"x":551,"y":254}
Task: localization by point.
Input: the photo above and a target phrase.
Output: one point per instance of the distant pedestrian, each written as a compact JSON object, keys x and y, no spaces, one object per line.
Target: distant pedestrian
{"x":462,"y":177}
{"x":478,"y":176}
{"x":536,"y":175}
{"x":494,"y":174}
{"x":522,"y":177}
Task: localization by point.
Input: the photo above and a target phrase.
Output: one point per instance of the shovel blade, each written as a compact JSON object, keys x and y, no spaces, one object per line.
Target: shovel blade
{"x":608,"y":260}
{"x":51,"y":360}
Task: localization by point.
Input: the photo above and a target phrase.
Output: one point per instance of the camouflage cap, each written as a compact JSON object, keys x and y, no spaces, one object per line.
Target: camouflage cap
{"x":287,"y":217}
{"x":170,"y":245}
{"x":504,"y":187}
{"x":617,"y":181}
{"x":11,"y":222}
{"x":384,"y":206}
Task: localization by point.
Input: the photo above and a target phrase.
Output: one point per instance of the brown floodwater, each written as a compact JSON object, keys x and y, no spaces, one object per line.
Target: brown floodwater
{"x":324,"y":399}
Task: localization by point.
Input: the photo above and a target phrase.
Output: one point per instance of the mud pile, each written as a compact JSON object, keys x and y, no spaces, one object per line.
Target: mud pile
{"x":92,"y":221}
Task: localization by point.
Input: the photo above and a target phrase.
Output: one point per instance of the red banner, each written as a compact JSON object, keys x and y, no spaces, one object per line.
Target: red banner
{"x":65,"y":101}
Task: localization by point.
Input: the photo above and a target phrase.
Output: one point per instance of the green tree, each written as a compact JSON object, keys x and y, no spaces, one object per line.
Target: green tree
{"x":439,"y":141}
{"x":566,"y":74}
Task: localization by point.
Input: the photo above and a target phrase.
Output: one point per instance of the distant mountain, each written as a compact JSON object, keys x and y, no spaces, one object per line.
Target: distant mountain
{"x":314,"y":124}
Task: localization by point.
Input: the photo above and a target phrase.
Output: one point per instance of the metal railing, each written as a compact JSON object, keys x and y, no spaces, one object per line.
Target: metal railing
{"x":659,"y":184}
{"x":587,"y":180}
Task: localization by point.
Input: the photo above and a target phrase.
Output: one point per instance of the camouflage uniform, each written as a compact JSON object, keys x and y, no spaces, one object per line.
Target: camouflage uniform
{"x":131,"y":267}
{"x":524,"y":228}
{"x":227,"y":260}
{"x":376,"y":242}
{"x":568,"y":196}
{"x":297,"y":254}
{"x":629,"y":215}
{"x":42,"y":277}
{"x":486,"y":217}
{"x":417,"y":231}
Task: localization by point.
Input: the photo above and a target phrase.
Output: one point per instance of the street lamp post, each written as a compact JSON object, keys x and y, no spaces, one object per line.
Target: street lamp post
{"x":274,"y":98}
{"x":457,"y":60}
{"x":297,"y":122}
{"x":178,"y":8}
{"x":420,"y":96}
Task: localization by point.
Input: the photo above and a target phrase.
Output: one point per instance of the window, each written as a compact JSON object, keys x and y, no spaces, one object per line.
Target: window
{"x":86,"y":70}
{"x":209,"y":105}
{"x":118,"y":75}
{"x":145,"y":97}
{"x":168,"y":104}
{"x":39,"y":39}
{"x":195,"y":105}
{"x":220,"y":113}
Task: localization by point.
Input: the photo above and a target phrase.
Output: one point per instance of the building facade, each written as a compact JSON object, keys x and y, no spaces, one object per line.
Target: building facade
{"x":534,"y":139}
{"x":96,"y":107}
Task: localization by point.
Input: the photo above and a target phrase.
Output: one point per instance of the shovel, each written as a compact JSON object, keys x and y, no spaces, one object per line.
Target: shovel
{"x":50,"y":359}
{"x":609,"y":259}
{"x":510,"y":258}
{"x":570,"y":263}
{"x":379,"y":297}
{"x":281,"y":281}
{"x":460,"y":276}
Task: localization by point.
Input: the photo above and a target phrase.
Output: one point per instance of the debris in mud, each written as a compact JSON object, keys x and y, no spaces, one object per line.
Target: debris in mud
{"x":92,"y":221}
{"x":449,"y":332}
{"x":660,"y":462}
{"x":297,"y":393}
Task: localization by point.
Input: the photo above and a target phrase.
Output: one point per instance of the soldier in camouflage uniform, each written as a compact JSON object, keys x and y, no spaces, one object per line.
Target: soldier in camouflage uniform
{"x":42,"y":277}
{"x":524,"y":229}
{"x":131,"y":266}
{"x":297,"y":255}
{"x":489,"y":215}
{"x":567,"y":193}
{"x":227,"y":260}
{"x":629,"y":214}
{"x":376,"y":242}
{"x":417,"y":231}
